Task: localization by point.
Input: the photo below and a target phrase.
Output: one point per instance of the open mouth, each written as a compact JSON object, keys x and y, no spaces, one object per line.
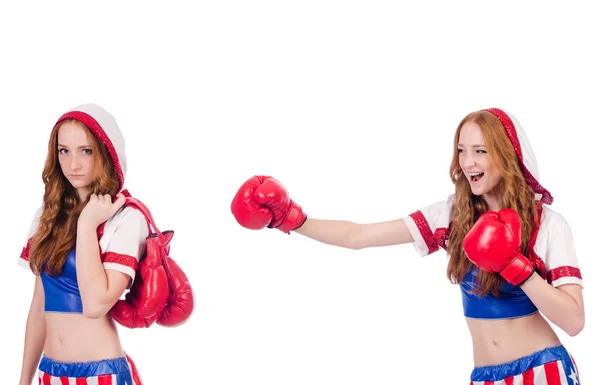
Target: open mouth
{"x":476,"y":177}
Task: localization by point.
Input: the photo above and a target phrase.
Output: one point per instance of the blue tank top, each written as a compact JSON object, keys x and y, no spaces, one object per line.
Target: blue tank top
{"x":511,"y":302}
{"x":61,"y":292}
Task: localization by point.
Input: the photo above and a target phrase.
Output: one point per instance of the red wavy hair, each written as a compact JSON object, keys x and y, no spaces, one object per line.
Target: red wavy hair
{"x":467,"y":208}
{"x":57,"y":229}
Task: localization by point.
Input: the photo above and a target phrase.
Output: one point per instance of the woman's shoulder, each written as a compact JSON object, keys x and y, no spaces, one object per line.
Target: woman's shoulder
{"x":126,"y":217}
{"x":554,"y":224}
{"x":552,"y":218}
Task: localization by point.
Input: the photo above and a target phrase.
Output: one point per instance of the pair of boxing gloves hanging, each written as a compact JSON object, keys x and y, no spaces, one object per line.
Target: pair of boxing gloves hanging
{"x":160,"y":292}
{"x":493,"y":243}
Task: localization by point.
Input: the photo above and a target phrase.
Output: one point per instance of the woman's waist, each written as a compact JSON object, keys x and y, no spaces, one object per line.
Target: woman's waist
{"x":499,"y":341}
{"x":75,"y":338}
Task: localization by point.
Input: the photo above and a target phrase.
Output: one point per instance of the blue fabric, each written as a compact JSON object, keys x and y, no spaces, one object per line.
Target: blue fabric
{"x":511,"y":302}
{"x":61,"y":292}
{"x":117,"y":366}
{"x":521,"y":365}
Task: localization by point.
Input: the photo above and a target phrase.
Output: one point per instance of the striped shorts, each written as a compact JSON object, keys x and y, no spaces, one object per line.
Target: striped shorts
{"x":551,"y":366}
{"x":115,"y":371}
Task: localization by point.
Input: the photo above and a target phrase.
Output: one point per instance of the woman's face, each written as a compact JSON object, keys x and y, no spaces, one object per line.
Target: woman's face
{"x":476,"y":164}
{"x":75,"y":157}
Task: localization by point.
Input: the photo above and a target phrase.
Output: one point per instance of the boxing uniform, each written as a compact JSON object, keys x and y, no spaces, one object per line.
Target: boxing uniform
{"x":121,"y":241}
{"x":554,"y":259}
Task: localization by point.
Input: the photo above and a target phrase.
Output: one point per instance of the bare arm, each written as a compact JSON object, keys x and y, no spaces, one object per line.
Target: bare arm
{"x":35,"y":334}
{"x":99,"y":288}
{"x":355,"y":235}
{"x":562,"y":305}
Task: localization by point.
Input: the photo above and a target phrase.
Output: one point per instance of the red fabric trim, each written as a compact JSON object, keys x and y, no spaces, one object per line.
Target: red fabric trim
{"x":538,"y":263}
{"x":26,"y":249}
{"x":441,"y":236}
{"x":563,"y":271}
{"x":100,"y":230}
{"x":97,"y":130}
{"x":121,"y":259}
{"x":433,"y":240}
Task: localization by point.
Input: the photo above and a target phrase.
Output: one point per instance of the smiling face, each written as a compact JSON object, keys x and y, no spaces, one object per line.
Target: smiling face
{"x":75,"y":155}
{"x":477,"y":165}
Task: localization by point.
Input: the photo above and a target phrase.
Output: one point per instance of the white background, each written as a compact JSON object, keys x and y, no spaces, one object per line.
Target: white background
{"x":353,"y":106}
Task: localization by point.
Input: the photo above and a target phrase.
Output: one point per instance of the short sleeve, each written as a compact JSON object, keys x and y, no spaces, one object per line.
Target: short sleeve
{"x":556,"y":248}
{"x":429,"y":226}
{"x":24,"y":258}
{"x":124,"y":241}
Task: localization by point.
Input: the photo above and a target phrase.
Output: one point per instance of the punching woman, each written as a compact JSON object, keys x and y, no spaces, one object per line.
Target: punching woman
{"x":512,"y":255}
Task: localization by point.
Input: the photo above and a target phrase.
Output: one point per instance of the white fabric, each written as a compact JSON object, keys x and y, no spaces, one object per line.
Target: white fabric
{"x":529,"y":158}
{"x":124,"y":234}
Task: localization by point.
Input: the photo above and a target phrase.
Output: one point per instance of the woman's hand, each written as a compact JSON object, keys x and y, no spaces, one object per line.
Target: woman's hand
{"x":99,"y":209}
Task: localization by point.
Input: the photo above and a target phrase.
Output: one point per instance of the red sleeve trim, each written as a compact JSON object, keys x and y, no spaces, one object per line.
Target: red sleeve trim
{"x":563,"y":271}
{"x":26,"y":249}
{"x":433,"y":241}
{"x":121,"y":259}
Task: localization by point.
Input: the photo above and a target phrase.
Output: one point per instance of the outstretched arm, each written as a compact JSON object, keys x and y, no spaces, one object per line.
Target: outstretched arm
{"x":263,"y":201}
{"x":356,"y":236}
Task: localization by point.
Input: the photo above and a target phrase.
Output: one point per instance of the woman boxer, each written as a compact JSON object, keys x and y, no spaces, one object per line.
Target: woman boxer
{"x":512,"y":255}
{"x":69,"y":325}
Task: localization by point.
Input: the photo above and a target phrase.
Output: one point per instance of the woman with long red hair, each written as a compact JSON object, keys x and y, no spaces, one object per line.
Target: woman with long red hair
{"x":83,"y":246}
{"x":512,"y":255}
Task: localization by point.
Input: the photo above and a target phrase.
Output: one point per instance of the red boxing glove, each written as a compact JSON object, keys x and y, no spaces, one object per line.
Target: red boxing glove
{"x":494,"y":243}
{"x":180,"y":303}
{"x":263,"y":201}
{"x":149,"y":291}
{"x":126,"y":315}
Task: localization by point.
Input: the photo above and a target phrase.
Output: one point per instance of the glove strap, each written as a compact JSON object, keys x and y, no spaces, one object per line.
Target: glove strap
{"x":518,"y":270}
{"x":152,"y":228}
{"x":294,"y":218}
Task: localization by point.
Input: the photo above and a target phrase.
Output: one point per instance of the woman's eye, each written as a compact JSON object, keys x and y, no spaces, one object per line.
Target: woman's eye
{"x":87,"y":151}
{"x":62,"y":150}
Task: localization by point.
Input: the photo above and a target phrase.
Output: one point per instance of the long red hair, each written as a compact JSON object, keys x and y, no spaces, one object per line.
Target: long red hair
{"x":467,"y":208}
{"x":57,"y":229}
